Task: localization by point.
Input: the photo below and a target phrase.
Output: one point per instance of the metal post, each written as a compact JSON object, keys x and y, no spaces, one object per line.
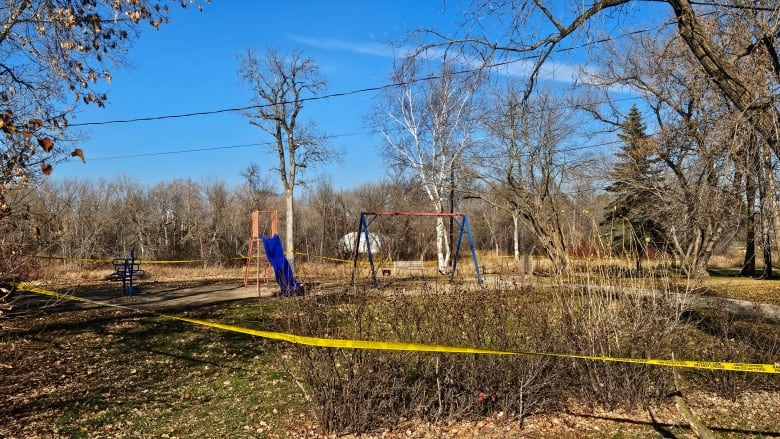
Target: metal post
{"x":473,"y":250}
{"x":465,"y":228}
{"x":132,"y":264}
{"x":363,"y":229}
{"x":361,"y":225}
{"x":124,"y":278}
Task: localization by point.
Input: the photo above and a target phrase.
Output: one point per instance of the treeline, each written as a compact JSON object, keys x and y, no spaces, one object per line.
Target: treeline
{"x":210,"y":221}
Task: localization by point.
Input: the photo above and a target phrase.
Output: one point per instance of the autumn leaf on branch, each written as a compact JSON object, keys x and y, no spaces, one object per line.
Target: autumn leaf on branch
{"x":78,"y":153}
{"x":55,"y":55}
{"x":46,"y":143}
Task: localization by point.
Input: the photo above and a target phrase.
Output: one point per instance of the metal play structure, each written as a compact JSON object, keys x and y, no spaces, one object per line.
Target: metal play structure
{"x":127,"y":270}
{"x":366,"y":218}
{"x":265,"y":241}
{"x":270,"y":223}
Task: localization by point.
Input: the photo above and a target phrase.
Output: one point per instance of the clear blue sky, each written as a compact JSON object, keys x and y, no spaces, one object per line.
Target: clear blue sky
{"x":190,"y":65}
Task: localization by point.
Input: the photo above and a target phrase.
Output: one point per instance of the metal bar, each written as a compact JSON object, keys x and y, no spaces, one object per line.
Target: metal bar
{"x":473,"y":250}
{"x":132,"y":264}
{"x":443,"y":214}
{"x":457,"y":251}
{"x":368,"y":249}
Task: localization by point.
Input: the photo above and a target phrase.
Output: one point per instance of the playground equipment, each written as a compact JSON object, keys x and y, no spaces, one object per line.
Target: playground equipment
{"x":270,"y":223}
{"x":366,"y":218}
{"x":267,"y":241}
{"x":127,"y":270}
{"x":282,"y":269}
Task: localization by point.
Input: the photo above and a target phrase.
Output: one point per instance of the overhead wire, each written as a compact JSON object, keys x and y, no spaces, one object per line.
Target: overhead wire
{"x":211,"y":148}
{"x":368,"y":89}
{"x":348,"y":93}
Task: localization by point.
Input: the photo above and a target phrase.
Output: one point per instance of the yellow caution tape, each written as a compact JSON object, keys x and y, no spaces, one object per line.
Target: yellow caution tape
{"x":62,"y":258}
{"x":417,"y":347}
{"x":144,"y":261}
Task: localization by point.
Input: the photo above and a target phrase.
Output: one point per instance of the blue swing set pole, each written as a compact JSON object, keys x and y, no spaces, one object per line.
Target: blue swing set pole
{"x":363,"y":230}
{"x":465,"y":227}
{"x":130,"y":269}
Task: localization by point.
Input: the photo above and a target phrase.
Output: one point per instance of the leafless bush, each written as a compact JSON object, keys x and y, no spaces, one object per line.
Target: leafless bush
{"x":357,"y":391}
{"x":729,"y":338}
{"x":635,"y":317}
{"x":588,"y":313}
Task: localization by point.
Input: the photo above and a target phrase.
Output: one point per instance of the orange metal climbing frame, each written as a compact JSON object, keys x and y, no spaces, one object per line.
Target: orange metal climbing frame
{"x":264,"y":222}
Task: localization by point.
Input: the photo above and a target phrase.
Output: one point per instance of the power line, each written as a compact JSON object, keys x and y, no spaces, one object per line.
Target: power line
{"x":180,"y":151}
{"x":237,"y":109}
{"x":269,"y":143}
{"x":213,"y":148}
{"x":366,"y":89}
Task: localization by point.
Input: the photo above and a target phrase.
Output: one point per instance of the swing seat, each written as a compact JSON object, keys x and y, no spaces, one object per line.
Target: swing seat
{"x":409,"y":266}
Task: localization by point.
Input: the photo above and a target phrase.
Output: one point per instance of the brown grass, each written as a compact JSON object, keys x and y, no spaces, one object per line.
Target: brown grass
{"x":126,"y":371}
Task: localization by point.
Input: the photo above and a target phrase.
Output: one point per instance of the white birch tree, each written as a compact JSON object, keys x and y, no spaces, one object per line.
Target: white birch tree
{"x":427,"y":129}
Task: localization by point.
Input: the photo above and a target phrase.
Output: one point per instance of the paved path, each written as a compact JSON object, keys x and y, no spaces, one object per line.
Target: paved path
{"x":166,"y":296}
{"x":157,"y":296}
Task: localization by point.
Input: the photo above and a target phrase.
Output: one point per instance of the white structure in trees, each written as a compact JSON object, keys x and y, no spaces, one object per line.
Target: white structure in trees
{"x":347,"y":243}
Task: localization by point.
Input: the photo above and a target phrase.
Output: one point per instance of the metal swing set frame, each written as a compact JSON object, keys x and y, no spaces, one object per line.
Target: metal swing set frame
{"x":366,"y":218}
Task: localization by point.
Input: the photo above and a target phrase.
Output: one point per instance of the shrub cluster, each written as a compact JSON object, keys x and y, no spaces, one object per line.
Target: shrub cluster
{"x":359,"y":390}
{"x":363,"y":390}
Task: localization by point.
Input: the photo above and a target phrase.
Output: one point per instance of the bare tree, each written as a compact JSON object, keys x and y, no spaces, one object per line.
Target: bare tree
{"x":684,"y":197}
{"x":527,"y":164}
{"x":258,"y":188}
{"x":427,"y":125}
{"x":54,"y":57}
{"x":325,"y":219}
{"x":280,"y":85}
{"x":734,"y":42}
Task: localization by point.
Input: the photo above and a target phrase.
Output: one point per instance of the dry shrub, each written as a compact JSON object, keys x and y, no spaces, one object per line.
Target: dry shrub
{"x":727,"y":260}
{"x":359,"y":391}
{"x":726,"y":337}
{"x":628,"y":317}
{"x":85,"y":271}
{"x":332,"y":271}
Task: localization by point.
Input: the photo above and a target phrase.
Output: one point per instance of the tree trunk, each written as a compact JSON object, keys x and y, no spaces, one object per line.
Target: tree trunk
{"x":516,"y":236}
{"x":289,"y":238}
{"x":766,"y":272}
{"x":552,"y":246}
{"x":693,"y":259}
{"x":766,"y":242}
{"x":773,"y":219}
{"x":749,"y":265}
{"x":442,"y":246}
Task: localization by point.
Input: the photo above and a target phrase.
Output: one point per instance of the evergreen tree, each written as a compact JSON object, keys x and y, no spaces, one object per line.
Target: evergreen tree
{"x":635,"y":179}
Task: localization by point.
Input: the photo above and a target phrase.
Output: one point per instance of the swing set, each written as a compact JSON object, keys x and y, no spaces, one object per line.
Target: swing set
{"x":367,"y":218}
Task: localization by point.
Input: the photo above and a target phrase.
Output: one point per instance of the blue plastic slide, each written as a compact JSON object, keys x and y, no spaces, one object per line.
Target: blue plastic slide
{"x":284,"y":275}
